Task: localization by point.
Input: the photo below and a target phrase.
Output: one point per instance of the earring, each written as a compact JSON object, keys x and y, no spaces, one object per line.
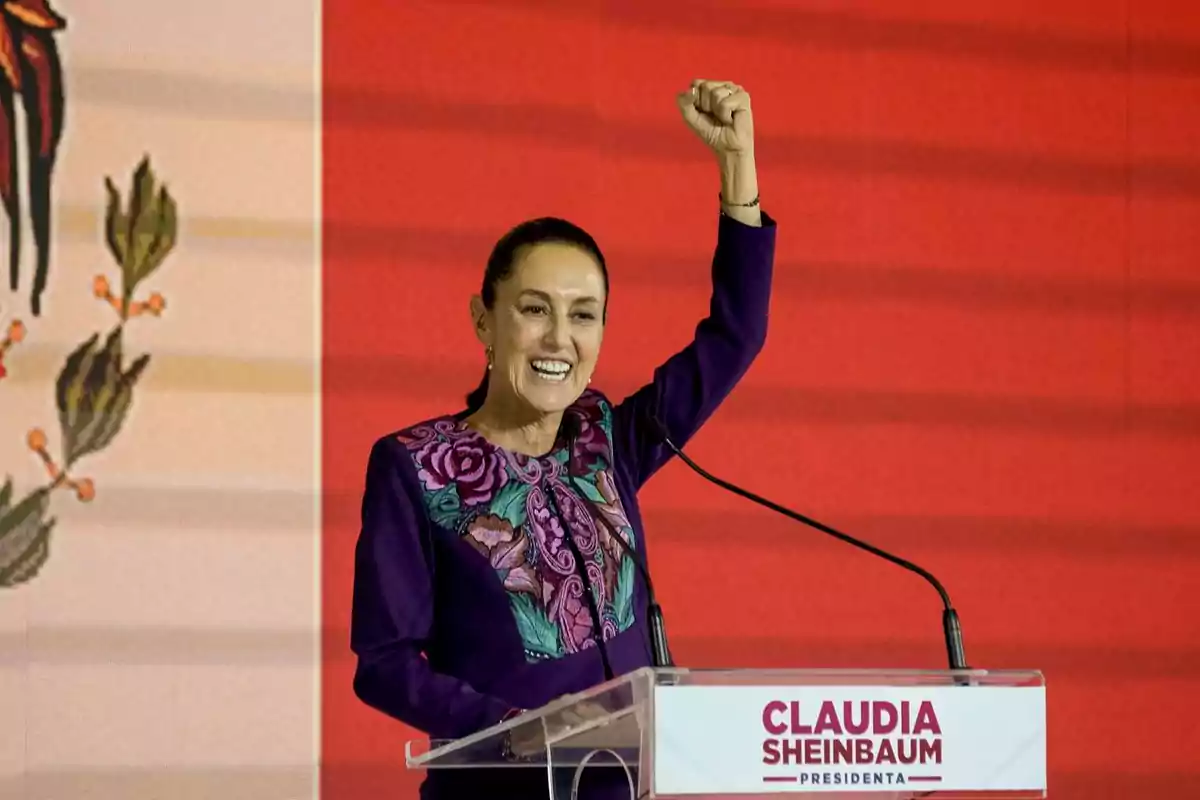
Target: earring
{"x":487,"y":352}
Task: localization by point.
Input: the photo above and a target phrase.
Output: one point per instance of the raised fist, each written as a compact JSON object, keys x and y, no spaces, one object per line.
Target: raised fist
{"x":719,"y":113}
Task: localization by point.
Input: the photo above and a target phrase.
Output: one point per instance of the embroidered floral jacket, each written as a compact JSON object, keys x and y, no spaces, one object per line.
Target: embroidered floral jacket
{"x":468,"y":602}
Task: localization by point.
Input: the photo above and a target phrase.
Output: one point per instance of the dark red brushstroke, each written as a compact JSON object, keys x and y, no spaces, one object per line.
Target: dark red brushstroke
{"x":8,"y":182}
{"x":42,"y":93}
{"x":36,"y":74}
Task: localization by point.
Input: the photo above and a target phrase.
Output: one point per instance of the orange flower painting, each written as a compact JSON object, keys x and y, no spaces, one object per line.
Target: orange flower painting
{"x":94,"y":392}
{"x":13,"y":335}
{"x":32,"y":72}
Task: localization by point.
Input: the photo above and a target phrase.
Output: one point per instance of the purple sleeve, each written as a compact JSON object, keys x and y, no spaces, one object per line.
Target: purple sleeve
{"x":687,"y":389}
{"x":393,"y":610}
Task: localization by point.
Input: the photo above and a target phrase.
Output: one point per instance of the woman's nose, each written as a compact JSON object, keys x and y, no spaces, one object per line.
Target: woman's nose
{"x":558,"y":333}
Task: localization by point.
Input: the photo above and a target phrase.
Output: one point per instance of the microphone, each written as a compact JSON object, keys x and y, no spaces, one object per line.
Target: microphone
{"x":950,"y":623}
{"x":660,"y":651}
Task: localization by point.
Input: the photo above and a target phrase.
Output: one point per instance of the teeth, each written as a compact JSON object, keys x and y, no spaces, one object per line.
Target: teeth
{"x":551,"y":370}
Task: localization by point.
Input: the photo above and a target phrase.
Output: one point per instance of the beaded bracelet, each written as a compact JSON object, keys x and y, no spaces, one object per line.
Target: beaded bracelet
{"x":751,"y":204}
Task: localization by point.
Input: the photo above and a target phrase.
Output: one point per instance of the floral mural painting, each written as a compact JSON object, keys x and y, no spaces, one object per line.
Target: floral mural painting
{"x":12,"y":336}
{"x":32,"y":72}
{"x":95,"y":389}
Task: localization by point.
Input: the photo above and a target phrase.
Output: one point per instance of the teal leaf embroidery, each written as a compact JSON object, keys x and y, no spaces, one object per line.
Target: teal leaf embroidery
{"x":539,"y":634}
{"x":509,"y":503}
{"x":606,"y":419}
{"x":623,"y":601}
{"x":444,"y":506}
{"x":587,"y":486}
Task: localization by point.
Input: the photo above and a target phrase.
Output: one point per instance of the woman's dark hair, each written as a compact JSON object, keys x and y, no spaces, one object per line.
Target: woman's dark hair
{"x":504,"y":257}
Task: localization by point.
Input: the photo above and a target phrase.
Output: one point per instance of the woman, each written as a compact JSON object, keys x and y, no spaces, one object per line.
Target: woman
{"x":488,"y":579}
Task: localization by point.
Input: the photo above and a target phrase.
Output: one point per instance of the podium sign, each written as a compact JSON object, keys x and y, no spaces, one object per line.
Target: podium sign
{"x":874,"y":734}
{"x":745,"y":740}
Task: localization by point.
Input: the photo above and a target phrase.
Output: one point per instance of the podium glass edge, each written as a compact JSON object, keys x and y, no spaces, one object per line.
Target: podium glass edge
{"x":434,"y":749}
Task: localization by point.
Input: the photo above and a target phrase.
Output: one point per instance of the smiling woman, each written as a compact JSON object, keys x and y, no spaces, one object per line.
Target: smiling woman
{"x":493,"y":569}
{"x":540,"y":317}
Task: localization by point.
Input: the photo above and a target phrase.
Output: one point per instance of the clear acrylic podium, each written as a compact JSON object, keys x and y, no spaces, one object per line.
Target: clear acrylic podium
{"x":677,"y":733}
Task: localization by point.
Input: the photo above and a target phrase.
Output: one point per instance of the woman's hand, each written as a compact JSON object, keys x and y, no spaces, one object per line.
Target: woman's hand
{"x":526,"y":741}
{"x":719,"y":113}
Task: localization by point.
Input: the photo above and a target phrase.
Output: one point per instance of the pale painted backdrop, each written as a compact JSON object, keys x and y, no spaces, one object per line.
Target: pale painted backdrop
{"x":168,"y":649}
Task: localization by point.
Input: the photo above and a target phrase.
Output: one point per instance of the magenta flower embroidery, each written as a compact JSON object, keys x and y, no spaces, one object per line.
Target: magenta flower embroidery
{"x":548,"y":533}
{"x":487,"y":531}
{"x":578,"y":520}
{"x":506,"y":551}
{"x":476,"y":469}
{"x":568,"y":608}
{"x":516,"y":511}
{"x":590,"y":440}
{"x":570,"y":611}
{"x":522,"y":578}
{"x":595,"y":575}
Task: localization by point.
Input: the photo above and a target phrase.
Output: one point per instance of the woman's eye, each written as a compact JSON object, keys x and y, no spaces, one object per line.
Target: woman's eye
{"x":533,"y":310}
{"x":586,"y":316}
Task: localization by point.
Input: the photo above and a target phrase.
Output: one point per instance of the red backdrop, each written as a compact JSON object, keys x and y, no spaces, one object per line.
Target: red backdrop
{"x":983,"y":342}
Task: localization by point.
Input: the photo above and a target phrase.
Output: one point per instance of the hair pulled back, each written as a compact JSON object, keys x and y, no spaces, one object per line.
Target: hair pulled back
{"x":503,"y":260}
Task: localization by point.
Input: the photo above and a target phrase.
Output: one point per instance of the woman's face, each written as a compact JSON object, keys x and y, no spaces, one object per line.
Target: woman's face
{"x":546,"y":327}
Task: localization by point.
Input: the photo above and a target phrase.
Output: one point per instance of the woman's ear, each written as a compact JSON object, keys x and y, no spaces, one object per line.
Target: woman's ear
{"x":480,"y":321}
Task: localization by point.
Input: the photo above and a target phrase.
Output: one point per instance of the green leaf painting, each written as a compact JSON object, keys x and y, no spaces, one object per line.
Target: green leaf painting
{"x":143,"y":234}
{"x":94,"y":392}
{"x":24,"y":535}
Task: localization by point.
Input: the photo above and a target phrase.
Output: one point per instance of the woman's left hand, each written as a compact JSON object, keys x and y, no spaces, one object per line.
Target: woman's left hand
{"x":719,"y":113}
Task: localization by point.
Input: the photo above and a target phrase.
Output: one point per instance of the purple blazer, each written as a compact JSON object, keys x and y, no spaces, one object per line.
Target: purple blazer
{"x":469,"y":604}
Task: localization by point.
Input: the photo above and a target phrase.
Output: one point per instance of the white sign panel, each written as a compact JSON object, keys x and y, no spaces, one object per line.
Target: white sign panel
{"x":762,"y":740}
